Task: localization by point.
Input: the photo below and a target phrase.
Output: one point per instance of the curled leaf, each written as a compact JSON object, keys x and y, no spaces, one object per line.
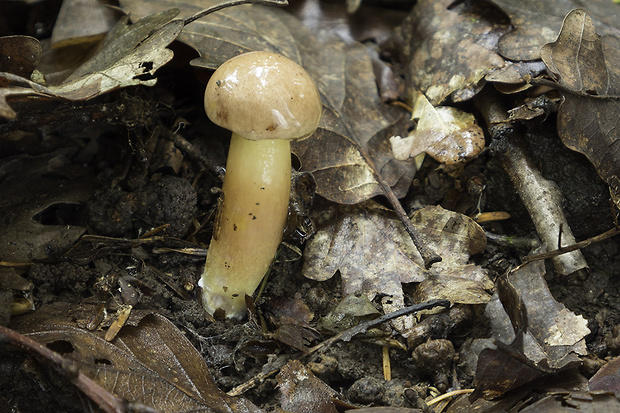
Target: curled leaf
{"x":447,"y":134}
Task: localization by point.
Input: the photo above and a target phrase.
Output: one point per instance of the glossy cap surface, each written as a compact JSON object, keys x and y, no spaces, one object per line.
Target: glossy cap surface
{"x":263,"y":95}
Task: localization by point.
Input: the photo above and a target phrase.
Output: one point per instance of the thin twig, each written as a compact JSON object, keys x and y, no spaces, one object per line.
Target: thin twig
{"x":569,"y":248}
{"x":554,"y":85}
{"x":221,"y":6}
{"x":348,"y":334}
{"x":449,"y":394}
{"x":428,"y":255}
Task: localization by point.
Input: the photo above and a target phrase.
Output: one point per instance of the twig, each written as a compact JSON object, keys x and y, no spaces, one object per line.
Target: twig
{"x":449,"y":394}
{"x":570,"y":248}
{"x":554,"y":85}
{"x":348,"y":334}
{"x":221,"y":6}
{"x":541,"y":197}
{"x":189,"y":148}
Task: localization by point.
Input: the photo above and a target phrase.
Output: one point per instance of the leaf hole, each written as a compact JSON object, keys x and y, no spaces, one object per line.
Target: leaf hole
{"x":61,"y":346}
{"x":61,"y":213}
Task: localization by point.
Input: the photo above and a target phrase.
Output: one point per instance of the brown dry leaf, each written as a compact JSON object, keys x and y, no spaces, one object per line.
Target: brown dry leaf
{"x":448,"y":134}
{"x":301,"y":391}
{"x":448,"y":49}
{"x":291,"y":318}
{"x":607,"y":378}
{"x":588,"y":118}
{"x":19,"y":55}
{"x":538,"y":22}
{"x":82,"y":21}
{"x":129,"y":55}
{"x":582,"y":402}
{"x":354,"y":116}
{"x":455,"y":237}
{"x":153,"y":363}
{"x":374,"y":254}
{"x":535,"y":335}
{"x":34,"y":201}
{"x":369,"y":248}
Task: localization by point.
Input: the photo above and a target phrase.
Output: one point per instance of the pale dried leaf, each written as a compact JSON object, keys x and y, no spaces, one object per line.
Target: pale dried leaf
{"x":128,"y":56}
{"x":447,"y":134}
{"x":448,"y":50}
{"x":375,"y":255}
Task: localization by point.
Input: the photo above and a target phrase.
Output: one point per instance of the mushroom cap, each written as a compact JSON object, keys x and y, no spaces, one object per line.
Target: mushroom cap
{"x":263,"y":95}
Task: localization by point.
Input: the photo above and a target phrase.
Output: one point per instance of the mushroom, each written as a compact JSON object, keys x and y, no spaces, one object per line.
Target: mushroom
{"x":266,"y":100}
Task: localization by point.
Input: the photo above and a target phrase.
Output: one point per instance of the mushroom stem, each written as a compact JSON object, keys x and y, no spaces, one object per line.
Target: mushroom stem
{"x":250,"y":224}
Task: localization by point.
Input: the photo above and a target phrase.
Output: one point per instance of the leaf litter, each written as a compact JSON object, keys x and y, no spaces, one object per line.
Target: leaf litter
{"x":539,"y":346}
{"x":129,"y":55}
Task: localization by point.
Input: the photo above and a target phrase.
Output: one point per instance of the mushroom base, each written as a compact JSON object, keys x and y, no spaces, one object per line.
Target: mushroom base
{"x":250,"y":223}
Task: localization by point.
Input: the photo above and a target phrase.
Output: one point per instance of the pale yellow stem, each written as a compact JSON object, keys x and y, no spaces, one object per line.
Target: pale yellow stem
{"x":250,"y":226}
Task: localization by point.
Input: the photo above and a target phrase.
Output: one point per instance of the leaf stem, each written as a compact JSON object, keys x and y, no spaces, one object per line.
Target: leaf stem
{"x":221,"y":6}
{"x":428,"y":255}
{"x":562,"y":88}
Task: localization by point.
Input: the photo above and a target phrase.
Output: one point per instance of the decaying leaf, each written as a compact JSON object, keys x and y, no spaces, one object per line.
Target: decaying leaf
{"x":349,"y":312}
{"x":291,"y":318}
{"x":607,"y":378}
{"x":538,"y":22}
{"x":301,"y":391}
{"x":535,"y":335}
{"x":19,"y":55}
{"x":82,"y":21}
{"x":374,"y":254}
{"x":369,"y":248}
{"x":447,"y":134}
{"x":354,"y":116}
{"x":455,"y":237}
{"x":448,"y":49}
{"x":153,"y":363}
{"x":588,"y":118}
{"x":129,"y":55}
{"x":39,"y":218}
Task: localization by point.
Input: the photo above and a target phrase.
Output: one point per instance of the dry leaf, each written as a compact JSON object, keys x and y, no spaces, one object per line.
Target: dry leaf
{"x":448,"y":134}
{"x":129,"y":55}
{"x":19,"y":55}
{"x":583,"y":402}
{"x":369,"y":247}
{"x":588,"y":118}
{"x":538,"y":22}
{"x":535,"y":334}
{"x":448,"y":49}
{"x":153,"y":363}
{"x":301,"y":391}
{"x":34,"y":200}
{"x":374,"y":255}
{"x":82,"y":21}
{"x":455,"y":237}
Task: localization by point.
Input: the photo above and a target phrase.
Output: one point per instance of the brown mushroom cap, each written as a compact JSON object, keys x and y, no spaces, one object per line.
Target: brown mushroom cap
{"x":263,"y":95}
